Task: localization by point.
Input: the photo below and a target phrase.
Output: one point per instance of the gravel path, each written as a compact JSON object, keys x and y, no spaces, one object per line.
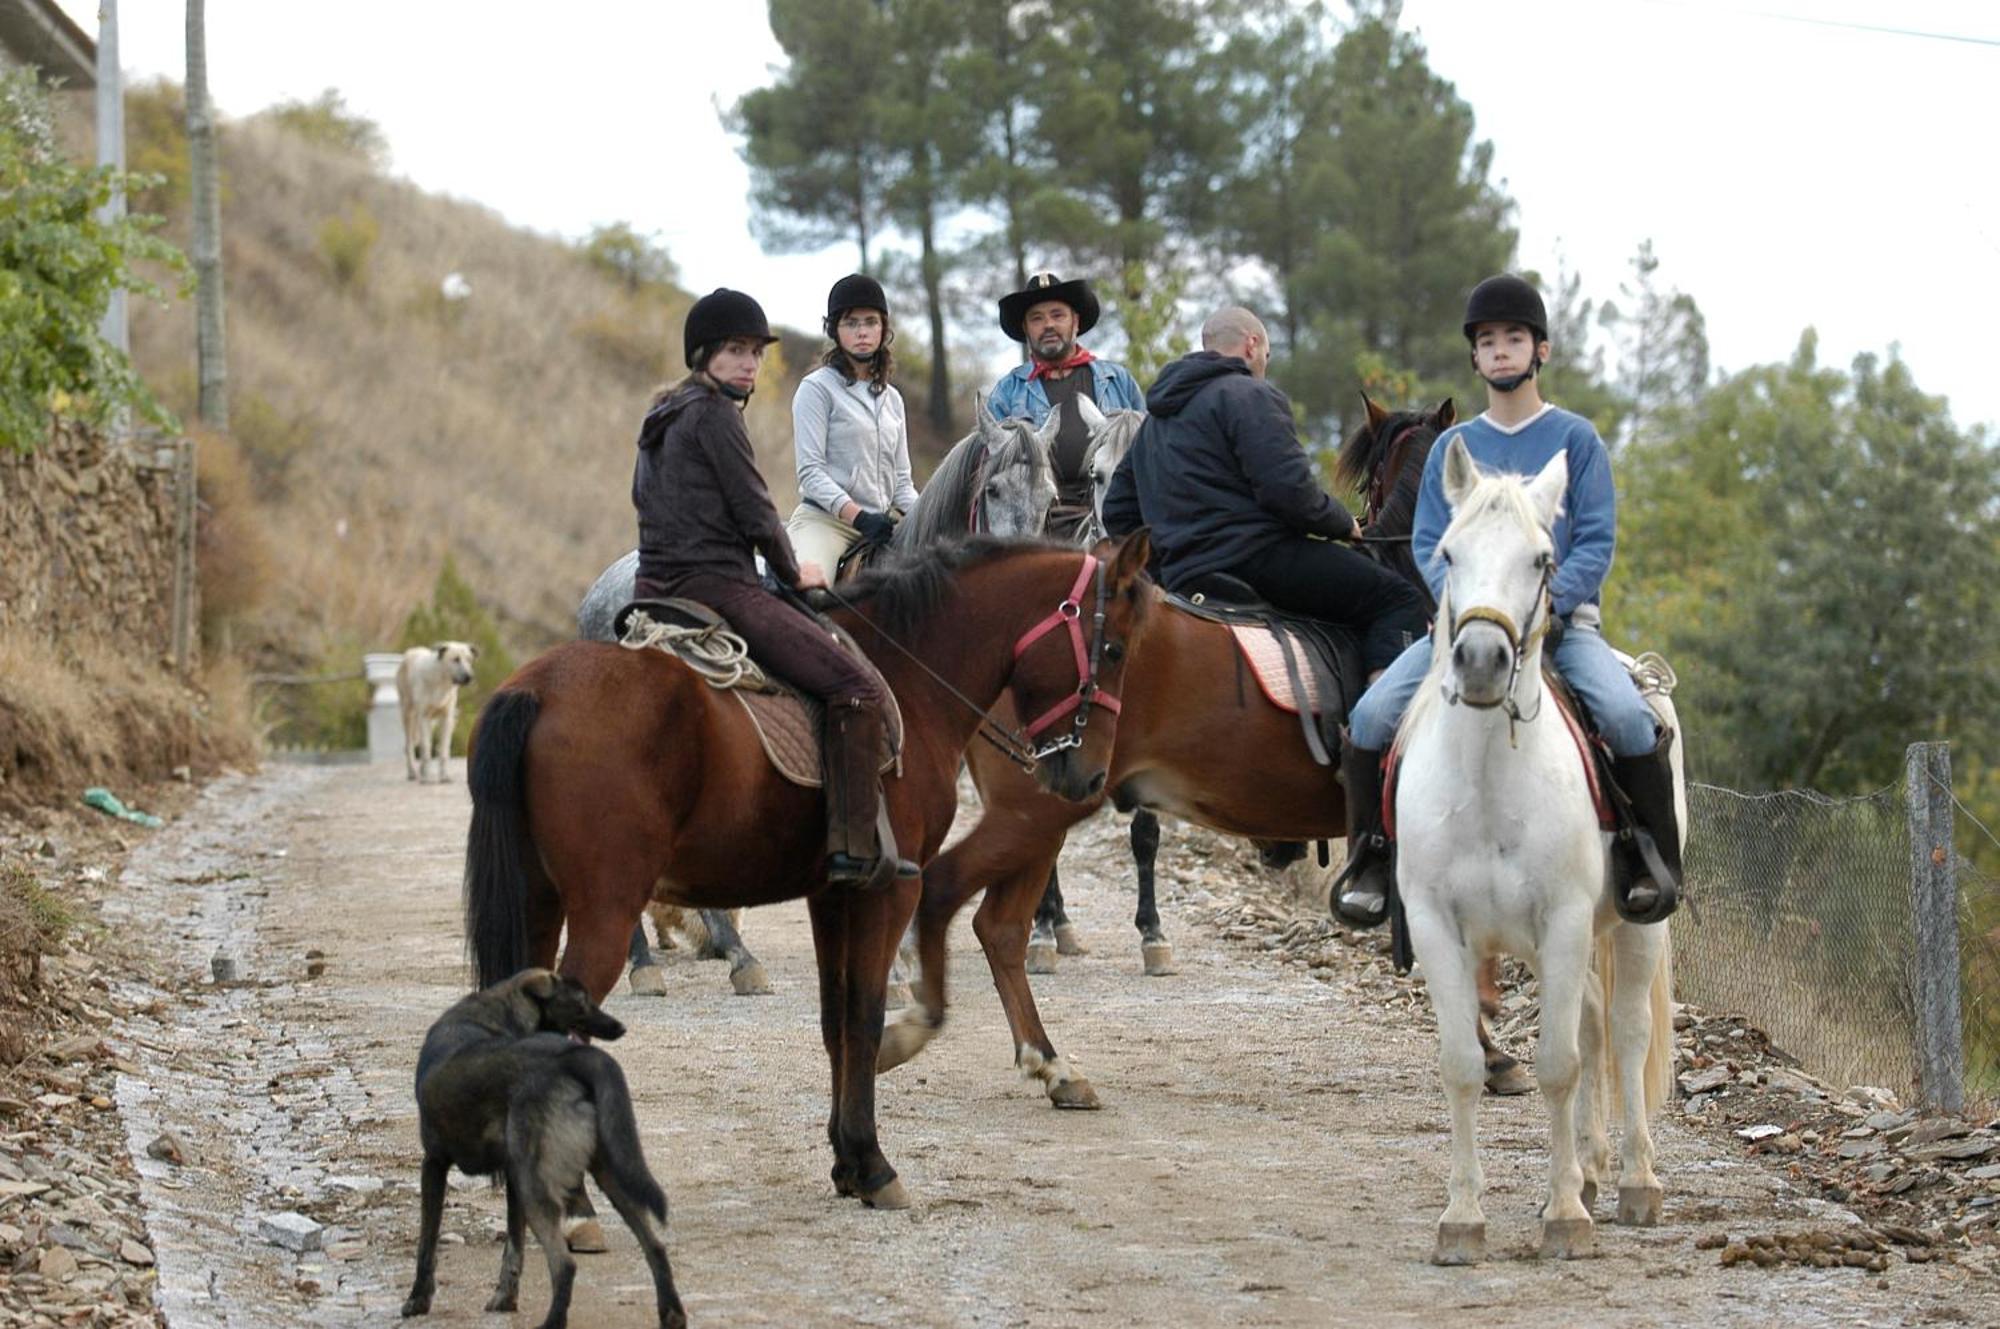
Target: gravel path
{"x":1272,"y":1150}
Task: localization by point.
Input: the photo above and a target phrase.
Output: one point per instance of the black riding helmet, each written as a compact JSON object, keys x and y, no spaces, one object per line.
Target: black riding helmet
{"x":718,"y":316}
{"x":857,"y":291}
{"x":1506,"y":299}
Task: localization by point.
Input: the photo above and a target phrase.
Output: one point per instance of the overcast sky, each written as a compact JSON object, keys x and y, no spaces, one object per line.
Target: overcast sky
{"x":1790,"y":171}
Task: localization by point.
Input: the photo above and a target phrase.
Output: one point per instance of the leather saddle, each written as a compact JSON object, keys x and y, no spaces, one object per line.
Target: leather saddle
{"x":788,"y":722}
{"x":1303,"y":665}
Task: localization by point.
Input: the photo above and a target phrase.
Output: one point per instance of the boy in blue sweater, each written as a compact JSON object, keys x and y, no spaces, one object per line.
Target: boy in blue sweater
{"x":1519,"y":432}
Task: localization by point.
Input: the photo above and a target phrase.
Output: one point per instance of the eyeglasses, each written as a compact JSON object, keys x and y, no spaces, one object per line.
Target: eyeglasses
{"x":861,"y":323}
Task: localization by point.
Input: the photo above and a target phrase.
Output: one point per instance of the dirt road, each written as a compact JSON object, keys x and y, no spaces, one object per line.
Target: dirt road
{"x":1270,"y":1153}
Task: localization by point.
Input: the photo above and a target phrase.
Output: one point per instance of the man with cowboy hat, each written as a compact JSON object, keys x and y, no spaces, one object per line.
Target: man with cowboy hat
{"x":1048,"y":315}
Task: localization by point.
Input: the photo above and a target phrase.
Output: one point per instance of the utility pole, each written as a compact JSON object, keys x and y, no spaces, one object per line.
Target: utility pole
{"x":111,"y":153}
{"x":209,"y":352}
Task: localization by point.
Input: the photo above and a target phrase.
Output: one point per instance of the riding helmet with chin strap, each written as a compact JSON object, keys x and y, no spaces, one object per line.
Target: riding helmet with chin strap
{"x":856,"y":291}
{"x":1506,"y":299}
{"x":719,"y":316}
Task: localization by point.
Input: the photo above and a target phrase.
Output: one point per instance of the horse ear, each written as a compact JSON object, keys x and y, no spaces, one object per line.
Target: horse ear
{"x":1046,"y":435}
{"x":1461,"y":473}
{"x":1129,"y":561}
{"x":1376,"y":415}
{"x":1446,"y":414}
{"x":1086,"y":411}
{"x":982,"y":418}
{"x":1546,"y":490}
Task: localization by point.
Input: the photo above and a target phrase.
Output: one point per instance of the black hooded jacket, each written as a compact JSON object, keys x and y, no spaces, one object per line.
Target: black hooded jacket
{"x":1217,"y":471}
{"x":702,"y":505}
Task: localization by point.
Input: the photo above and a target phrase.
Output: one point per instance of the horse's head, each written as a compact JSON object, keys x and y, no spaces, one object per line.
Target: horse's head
{"x":1498,"y":556}
{"x":1069,"y":668}
{"x":1016,"y":481}
{"x":1110,"y":439}
{"x":1382,"y":449}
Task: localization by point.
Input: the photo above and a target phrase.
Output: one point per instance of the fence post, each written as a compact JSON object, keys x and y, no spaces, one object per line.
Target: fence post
{"x":1934,"y":924}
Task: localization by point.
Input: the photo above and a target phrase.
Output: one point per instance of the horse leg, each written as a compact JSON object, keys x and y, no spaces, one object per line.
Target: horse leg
{"x":1641,"y":1036}
{"x":1155,"y":951}
{"x":1042,"y":947}
{"x":545,"y":915}
{"x":746,"y":971}
{"x":1504,"y":1075}
{"x":646,"y":980}
{"x":1593,"y":1144}
{"x":1562,"y":959}
{"x":901,"y":967}
{"x":1068,"y":940}
{"x":849,"y":932}
{"x":947,"y":885}
{"x":1448,"y":970}
{"x":1002,"y":928}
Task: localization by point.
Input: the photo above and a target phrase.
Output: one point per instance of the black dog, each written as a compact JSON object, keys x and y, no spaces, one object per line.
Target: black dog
{"x":503,"y":1088}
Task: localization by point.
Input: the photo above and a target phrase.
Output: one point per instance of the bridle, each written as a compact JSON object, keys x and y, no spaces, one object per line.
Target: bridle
{"x":1088,"y":662}
{"x":1519,"y":641}
{"x":1019,"y":747}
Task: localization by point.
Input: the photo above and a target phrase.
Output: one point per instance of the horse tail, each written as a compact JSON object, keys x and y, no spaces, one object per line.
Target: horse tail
{"x":1660,"y":1050}
{"x":1604,"y":974}
{"x":497,"y":847}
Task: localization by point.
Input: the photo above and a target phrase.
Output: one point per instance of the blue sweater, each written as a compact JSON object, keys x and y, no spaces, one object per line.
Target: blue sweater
{"x":1586,"y":530}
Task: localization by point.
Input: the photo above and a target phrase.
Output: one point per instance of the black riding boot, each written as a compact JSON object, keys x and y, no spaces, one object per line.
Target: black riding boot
{"x":1646,"y":854}
{"x":860,"y":850}
{"x":1361,"y":891}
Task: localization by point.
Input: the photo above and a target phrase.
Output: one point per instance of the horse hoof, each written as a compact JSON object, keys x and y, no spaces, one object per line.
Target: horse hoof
{"x":893,"y":1196}
{"x":1567,"y":1238}
{"x":1069,"y":941}
{"x":750,"y":981}
{"x":1159,"y":958}
{"x":1041,"y":957}
{"x":1510,"y":1080}
{"x":1639,"y":1206}
{"x":1460,"y":1243}
{"x":587,"y":1238}
{"x":1074,"y":1093}
{"x":647,"y":982}
{"x":901,"y":1041}
{"x":896,"y":997}
{"x":1589,"y":1195}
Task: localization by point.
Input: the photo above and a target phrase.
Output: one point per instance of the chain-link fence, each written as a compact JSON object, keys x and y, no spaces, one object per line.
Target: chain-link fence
{"x":1803,"y":923}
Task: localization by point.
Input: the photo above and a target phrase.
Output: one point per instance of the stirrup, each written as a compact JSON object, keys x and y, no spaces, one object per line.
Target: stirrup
{"x":1350,"y":906}
{"x":1638,"y":845}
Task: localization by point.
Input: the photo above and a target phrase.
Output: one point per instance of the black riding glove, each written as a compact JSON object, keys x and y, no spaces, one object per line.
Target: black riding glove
{"x":875,"y":527}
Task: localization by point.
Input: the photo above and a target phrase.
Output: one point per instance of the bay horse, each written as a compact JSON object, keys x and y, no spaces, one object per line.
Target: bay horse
{"x":1192,"y":741}
{"x":1500,"y":848}
{"x":998,"y":480}
{"x":604,"y":778}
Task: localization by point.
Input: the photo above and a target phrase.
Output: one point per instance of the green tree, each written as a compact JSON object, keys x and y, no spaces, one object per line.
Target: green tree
{"x":636,"y":260}
{"x":1662,"y":342}
{"x":1821,"y":552}
{"x":455,"y":614}
{"x":59,"y":263}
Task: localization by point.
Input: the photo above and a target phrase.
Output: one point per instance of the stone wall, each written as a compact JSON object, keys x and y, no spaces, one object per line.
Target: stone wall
{"x":87,"y":539}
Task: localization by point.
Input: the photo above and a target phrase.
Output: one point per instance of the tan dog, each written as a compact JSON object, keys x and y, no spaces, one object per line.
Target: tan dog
{"x":427,"y":684}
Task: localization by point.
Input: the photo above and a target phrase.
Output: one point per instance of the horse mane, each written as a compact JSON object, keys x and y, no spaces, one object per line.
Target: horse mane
{"x":1367,"y":448}
{"x":1503,"y":495}
{"x":902,"y":595}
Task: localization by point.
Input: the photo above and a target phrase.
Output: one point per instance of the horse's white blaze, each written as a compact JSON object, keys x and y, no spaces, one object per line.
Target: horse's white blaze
{"x":1051,"y":1071}
{"x":1499,"y":850}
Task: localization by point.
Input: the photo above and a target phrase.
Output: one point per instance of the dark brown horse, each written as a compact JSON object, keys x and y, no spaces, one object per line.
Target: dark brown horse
{"x":1191,"y":742}
{"x":603,"y":778}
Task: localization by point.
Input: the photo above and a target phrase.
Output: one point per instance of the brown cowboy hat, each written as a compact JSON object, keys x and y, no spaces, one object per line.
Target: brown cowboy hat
{"x":1047,"y":286}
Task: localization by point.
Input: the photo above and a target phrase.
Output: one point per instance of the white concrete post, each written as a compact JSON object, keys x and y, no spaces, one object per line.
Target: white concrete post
{"x":385,"y":713}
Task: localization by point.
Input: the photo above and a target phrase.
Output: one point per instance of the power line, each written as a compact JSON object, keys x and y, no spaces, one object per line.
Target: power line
{"x":1960,"y":37}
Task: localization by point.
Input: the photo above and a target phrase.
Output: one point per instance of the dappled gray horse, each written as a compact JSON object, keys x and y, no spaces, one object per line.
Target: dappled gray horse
{"x":997,"y":480}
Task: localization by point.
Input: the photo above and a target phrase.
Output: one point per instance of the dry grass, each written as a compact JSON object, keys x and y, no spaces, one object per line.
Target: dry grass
{"x":86,"y":711}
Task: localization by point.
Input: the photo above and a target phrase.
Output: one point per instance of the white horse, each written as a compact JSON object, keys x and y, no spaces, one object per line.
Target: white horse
{"x":1498,"y":849}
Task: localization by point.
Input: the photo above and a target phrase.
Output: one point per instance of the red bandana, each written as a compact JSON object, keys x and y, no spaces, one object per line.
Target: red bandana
{"x":1078,"y":358}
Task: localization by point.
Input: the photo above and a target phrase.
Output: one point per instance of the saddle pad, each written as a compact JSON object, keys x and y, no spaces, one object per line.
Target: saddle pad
{"x":1267,"y":661}
{"x":1586,"y":749}
{"x":788,"y":725}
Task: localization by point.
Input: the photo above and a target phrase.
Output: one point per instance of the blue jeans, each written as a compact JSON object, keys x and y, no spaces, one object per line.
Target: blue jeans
{"x":1585,"y":663}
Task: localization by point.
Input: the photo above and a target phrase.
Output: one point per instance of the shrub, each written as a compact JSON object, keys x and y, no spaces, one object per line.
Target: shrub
{"x":635,"y":260}
{"x":345,"y":243}
{"x":59,"y":264}
{"x":455,"y":614}
{"x":233,"y":554}
{"x":325,"y":120}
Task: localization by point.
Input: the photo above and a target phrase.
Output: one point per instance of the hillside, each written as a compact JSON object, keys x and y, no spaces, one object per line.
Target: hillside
{"x":378,"y":426}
